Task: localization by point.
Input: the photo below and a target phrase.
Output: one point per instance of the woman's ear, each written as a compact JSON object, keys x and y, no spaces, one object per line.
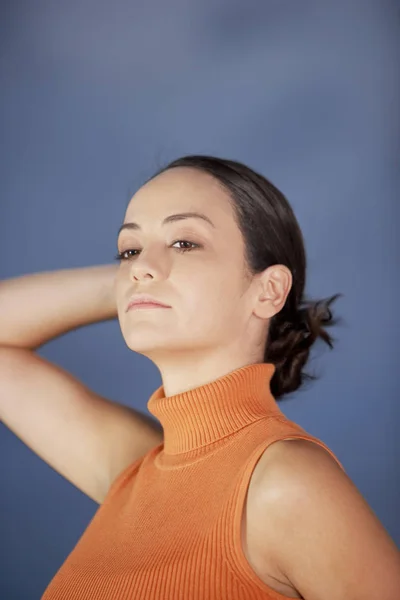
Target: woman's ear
{"x":274,"y":286}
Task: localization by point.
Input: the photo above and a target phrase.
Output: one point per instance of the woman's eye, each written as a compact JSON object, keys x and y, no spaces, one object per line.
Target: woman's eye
{"x":185,"y":242}
{"x":121,"y":255}
{"x":192,"y":246}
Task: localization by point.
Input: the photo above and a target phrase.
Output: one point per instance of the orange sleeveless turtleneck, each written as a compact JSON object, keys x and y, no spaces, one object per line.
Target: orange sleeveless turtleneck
{"x":169,"y":527}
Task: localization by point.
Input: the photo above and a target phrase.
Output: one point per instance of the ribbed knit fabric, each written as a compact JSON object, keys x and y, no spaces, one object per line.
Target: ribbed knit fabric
{"x":170,"y":525}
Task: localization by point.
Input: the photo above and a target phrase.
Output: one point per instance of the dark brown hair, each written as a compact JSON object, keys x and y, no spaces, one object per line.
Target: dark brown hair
{"x":272,"y":236}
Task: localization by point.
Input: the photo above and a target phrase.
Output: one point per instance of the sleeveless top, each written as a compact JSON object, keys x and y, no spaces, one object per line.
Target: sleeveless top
{"x":170,"y":525}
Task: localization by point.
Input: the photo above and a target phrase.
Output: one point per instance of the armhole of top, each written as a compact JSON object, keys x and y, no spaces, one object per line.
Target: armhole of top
{"x":310,"y":438}
{"x":241,"y":564}
{"x":126,"y":473}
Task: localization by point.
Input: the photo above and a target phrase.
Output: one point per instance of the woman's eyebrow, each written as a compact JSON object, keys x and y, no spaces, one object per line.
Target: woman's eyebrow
{"x":170,"y":219}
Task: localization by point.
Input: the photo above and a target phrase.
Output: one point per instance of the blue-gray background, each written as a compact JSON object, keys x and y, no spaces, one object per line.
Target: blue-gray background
{"x":96,"y":95}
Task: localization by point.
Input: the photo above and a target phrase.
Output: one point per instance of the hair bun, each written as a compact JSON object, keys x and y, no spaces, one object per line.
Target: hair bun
{"x":291,"y":336}
{"x":314,"y":316}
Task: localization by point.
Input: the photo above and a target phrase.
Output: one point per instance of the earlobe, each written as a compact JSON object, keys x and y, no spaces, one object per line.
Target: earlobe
{"x":265,"y":308}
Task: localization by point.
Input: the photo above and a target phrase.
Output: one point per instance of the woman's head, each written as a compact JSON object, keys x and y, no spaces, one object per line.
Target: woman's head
{"x":236,"y":292}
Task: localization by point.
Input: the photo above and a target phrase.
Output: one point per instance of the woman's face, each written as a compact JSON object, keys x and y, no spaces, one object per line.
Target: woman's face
{"x":207,"y":286}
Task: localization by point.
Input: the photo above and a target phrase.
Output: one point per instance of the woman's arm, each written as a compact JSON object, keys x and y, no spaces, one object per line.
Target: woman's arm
{"x":319,"y":532}
{"x":38,"y":307}
{"x":85,"y":437}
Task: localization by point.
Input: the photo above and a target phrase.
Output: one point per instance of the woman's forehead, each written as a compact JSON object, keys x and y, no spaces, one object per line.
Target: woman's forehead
{"x":180,"y":190}
{"x":180,"y":181}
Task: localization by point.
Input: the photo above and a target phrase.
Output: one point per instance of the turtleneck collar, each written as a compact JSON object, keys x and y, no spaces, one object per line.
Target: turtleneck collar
{"x":198,"y":417}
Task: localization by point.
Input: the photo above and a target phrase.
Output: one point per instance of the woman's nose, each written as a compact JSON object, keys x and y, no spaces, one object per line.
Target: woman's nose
{"x":140,"y":273}
{"x":146,"y":266}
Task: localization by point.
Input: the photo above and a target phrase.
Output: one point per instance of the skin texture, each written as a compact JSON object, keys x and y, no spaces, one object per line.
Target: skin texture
{"x":219,"y":313}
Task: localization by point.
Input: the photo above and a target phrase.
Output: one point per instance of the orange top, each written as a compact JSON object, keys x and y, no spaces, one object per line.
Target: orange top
{"x":169,"y":527}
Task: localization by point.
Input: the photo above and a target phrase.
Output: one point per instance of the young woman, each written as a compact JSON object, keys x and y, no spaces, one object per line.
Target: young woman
{"x":228,"y":499}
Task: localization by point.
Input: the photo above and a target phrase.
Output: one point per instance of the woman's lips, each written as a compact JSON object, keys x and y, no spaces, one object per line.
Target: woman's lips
{"x":145,"y":305}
